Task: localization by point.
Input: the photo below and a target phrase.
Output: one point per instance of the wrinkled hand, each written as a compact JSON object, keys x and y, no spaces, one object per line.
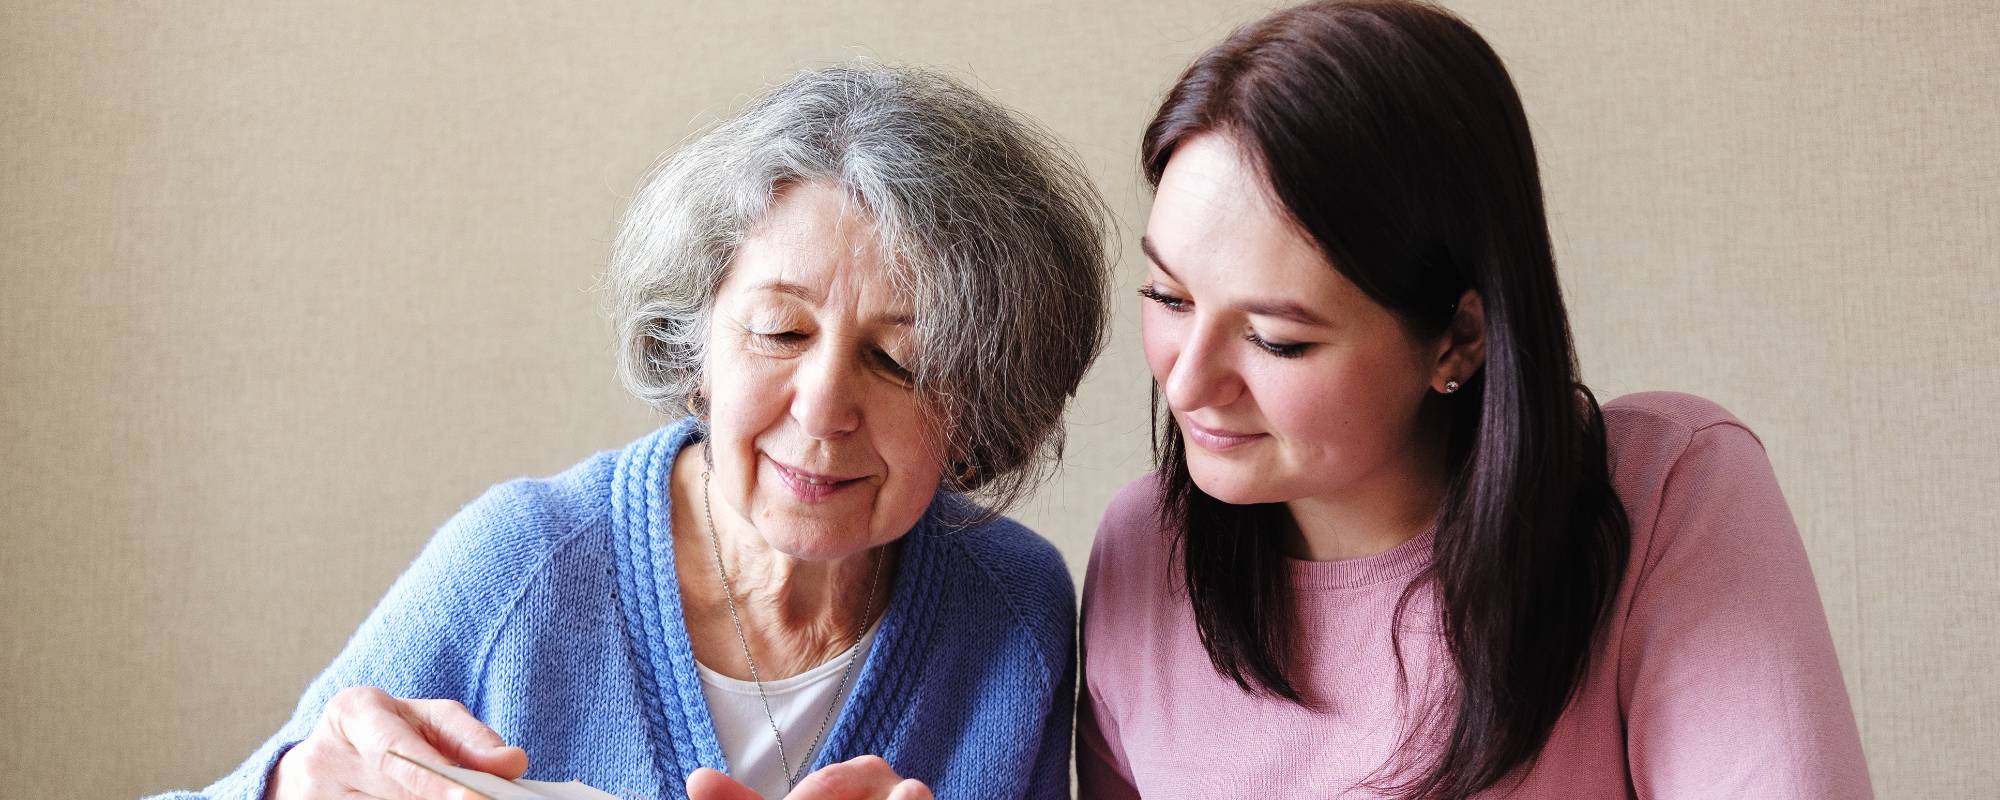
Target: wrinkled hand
{"x":347,"y":755}
{"x":864,"y":778}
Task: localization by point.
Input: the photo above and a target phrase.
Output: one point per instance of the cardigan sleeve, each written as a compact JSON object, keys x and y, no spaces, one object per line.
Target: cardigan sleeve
{"x":427,"y":638}
{"x":1728,"y":675}
{"x":1052,"y":763}
{"x":1049,"y":597}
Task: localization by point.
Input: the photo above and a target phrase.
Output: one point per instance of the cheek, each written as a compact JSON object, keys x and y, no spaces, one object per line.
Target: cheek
{"x":904,"y":443}
{"x":744,"y":399}
{"x":1350,"y":410}
{"x":1304,"y":402}
{"x":913,"y":472}
{"x":1160,"y":339}
{"x":748,"y":400}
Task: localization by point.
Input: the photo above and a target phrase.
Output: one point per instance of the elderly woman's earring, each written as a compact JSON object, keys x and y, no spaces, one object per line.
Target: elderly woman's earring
{"x":694,"y":405}
{"x":967,"y":473}
{"x":1450,"y":386}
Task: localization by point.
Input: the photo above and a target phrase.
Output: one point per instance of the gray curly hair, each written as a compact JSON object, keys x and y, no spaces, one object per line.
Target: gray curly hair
{"x":989,"y":224}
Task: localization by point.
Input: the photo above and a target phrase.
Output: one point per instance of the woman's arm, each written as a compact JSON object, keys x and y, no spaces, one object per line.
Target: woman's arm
{"x":1728,"y":676}
{"x":1100,"y":770}
{"x":1051,"y":775}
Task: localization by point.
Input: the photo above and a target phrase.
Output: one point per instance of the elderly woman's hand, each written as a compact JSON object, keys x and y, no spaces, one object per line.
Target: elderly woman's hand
{"x":348,"y":753}
{"x":864,"y":778}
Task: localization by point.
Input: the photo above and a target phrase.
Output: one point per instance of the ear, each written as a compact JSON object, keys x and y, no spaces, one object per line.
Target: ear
{"x":1462,"y":352}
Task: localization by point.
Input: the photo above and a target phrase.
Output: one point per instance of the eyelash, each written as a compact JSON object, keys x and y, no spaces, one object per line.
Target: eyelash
{"x":1170,"y":302}
{"x":1279,"y":350}
{"x":1178,"y":305}
{"x":791,"y":340}
{"x":786,"y":339}
{"x":902,"y":375}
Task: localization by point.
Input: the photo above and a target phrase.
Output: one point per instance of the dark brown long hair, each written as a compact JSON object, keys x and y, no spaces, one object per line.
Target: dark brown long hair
{"x":1391,"y":133}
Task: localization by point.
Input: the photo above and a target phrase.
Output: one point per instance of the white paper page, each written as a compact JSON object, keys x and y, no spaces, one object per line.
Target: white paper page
{"x":494,"y":787}
{"x":568,"y":790}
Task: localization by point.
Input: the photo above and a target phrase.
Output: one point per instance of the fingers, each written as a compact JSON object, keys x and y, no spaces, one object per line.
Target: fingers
{"x":864,"y":778}
{"x":910,"y":789}
{"x":707,"y":784}
{"x":373,"y":744}
{"x":409,"y":775}
{"x":386,"y":743}
{"x":463,"y":739}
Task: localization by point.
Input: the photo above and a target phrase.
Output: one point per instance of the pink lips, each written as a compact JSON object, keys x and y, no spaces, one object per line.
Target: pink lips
{"x":1216,"y":440}
{"x":811,"y":487}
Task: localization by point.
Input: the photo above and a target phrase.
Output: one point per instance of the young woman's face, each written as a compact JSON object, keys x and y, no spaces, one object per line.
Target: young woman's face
{"x":816,"y":433}
{"x":1286,"y":380}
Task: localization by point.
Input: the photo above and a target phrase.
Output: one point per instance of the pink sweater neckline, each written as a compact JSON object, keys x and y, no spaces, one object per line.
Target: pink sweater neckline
{"x":1394,"y":564}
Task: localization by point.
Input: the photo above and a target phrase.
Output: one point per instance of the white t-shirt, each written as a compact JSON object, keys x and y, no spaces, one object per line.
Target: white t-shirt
{"x":798,"y":703}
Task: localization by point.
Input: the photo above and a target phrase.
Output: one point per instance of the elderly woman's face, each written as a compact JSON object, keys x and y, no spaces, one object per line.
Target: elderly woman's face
{"x":815,"y":430}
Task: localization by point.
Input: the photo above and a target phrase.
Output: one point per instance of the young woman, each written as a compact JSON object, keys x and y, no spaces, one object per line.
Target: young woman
{"x":1393,"y":547}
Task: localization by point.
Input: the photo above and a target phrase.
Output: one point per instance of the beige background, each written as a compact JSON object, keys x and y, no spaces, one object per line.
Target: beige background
{"x":286,"y":283}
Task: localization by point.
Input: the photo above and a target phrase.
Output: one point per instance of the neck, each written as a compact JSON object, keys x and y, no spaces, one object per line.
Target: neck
{"x":796,"y":614}
{"x":1394,"y":505}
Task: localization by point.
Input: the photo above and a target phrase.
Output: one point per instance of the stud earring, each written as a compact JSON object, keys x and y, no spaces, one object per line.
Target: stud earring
{"x":694,"y":405}
{"x":1450,"y":386}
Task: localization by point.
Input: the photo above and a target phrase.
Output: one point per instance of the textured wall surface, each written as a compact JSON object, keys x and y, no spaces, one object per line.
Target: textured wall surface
{"x":284,"y":284}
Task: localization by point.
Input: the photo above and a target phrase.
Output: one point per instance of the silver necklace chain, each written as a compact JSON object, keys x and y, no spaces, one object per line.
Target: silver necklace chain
{"x":854,"y":650}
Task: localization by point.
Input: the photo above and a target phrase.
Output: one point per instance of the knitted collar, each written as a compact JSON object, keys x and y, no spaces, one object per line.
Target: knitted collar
{"x":679,"y":729}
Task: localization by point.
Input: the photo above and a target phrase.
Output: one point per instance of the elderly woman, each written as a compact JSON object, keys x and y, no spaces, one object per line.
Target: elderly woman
{"x":871,"y":293}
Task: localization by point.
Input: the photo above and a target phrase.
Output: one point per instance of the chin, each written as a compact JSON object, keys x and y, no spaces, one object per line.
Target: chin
{"x":1236,"y":484}
{"x":812,"y":539}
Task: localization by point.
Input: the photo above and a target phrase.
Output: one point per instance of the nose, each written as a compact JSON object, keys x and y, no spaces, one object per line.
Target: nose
{"x":1203,"y":373}
{"x":826,"y":394}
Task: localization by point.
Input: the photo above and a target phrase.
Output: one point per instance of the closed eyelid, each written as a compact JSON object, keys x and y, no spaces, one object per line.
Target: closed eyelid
{"x":1163,"y":279}
{"x":1276,"y":348}
{"x":773,"y":316}
{"x":1167,"y":300}
{"x":887,"y":358}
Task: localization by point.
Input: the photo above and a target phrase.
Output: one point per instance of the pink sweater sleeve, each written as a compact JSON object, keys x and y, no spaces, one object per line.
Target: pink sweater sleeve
{"x":1727,"y":672}
{"x":1101,"y":772}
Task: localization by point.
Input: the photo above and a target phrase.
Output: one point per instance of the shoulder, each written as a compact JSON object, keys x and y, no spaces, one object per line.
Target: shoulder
{"x":1651,"y":435}
{"x":487,"y":552}
{"x":524,"y":517}
{"x":1018,"y":562}
{"x":1651,"y":420}
{"x":1018,"y":569}
{"x":1688,"y":471}
{"x":464,"y":585}
{"x":1131,"y":581}
{"x":1130,"y":537}
{"x":1135,"y":506}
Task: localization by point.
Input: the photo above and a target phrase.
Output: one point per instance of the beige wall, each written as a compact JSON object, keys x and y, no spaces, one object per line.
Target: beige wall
{"x":284,"y":284}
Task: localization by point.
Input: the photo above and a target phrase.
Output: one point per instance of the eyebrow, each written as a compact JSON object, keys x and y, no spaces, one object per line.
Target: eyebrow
{"x":1153,"y":255}
{"x":1282,"y":309}
{"x":797,"y":290}
{"x":803,"y":292}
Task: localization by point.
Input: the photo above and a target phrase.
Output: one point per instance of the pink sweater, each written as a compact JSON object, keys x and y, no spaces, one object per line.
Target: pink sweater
{"x":1717,"y":679}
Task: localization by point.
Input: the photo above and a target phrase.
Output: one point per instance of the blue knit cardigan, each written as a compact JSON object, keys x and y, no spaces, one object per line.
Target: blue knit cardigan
{"x":550,"y":609}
